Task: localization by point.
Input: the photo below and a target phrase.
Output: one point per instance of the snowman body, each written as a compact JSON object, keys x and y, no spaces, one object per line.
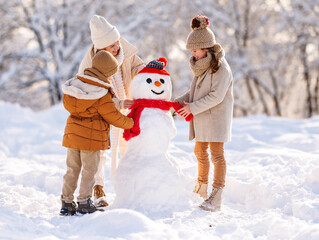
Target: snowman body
{"x":157,"y":129}
{"x":148,"y":179}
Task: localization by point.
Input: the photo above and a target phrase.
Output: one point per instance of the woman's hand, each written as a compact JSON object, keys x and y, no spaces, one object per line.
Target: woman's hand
{"x":185,"y":111}
{"x":128,"y":103}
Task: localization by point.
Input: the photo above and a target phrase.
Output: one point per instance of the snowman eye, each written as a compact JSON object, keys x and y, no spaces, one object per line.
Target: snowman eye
{"x":148,"y":80}
{"x":162,"y":81}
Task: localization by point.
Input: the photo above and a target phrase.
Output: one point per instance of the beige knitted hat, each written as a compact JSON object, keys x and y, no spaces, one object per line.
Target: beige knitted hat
{"x":200,"y":36}
{"x":103,"y":34}
{"x":105,"y":63}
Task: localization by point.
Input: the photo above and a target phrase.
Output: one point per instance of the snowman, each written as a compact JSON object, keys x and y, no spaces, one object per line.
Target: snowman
{"x":148,"y":179}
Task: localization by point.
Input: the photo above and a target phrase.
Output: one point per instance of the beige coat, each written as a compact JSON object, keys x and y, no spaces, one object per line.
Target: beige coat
{"x":211,"y":102}
{"x":131,"y":65}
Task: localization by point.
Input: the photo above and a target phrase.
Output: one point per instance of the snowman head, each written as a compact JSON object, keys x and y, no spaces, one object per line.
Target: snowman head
{"x":152,"y":82}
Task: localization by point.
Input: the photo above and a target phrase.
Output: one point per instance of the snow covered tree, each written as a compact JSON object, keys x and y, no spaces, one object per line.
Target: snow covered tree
{"x":271,"y":47}
{"x":302,"y":18}
{"x":43,"y":46}
{"x":159,"y":29}
{"x":261,"y":49}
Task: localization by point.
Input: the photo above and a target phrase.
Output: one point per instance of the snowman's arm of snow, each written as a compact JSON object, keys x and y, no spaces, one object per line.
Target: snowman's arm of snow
{"x":110,"y":114}
{"x":221,"y":82}
{"x":184,"y":97}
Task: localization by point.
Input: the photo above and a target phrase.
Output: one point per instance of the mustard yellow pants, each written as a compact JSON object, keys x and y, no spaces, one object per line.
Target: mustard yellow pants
{"x":218,"y":159}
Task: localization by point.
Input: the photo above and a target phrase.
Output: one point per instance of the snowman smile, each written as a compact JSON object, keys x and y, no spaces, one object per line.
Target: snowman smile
{"x":157,"y":92}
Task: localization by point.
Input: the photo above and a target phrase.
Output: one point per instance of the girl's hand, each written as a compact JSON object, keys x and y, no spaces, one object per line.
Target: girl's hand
{"x":185,"y":111}
{"x":128,"y":103}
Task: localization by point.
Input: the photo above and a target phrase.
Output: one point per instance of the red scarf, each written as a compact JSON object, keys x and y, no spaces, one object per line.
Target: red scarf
{"x":138,"y":107}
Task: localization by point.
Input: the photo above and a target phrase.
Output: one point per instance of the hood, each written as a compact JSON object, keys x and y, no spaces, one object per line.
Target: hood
{"x":81,"y":92}
{"x":80,"y":89}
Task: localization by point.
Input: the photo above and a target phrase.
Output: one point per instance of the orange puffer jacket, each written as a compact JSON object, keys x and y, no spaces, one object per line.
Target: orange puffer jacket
{"x":92,"y":110}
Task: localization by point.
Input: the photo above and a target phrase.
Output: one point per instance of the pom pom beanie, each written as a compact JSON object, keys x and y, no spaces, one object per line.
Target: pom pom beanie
{"x":156,"y":66}
{"x":201,"y":36}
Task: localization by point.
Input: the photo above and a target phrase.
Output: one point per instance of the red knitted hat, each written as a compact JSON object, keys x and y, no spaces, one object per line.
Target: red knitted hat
{"x":156,"y":66}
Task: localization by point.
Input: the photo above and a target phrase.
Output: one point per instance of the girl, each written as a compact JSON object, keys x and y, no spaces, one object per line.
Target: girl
{"x":210,"y":100}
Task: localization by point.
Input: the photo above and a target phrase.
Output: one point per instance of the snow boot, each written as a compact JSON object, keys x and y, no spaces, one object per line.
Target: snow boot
{"x":99,"y":196}
{"x":201,"y":189}
{"x":68,"y":209}
{"x":86,"y":207}
{"x":214,"y":201}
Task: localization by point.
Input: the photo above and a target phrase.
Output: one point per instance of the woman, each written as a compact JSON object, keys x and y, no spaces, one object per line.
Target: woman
{"x":210,"y":100}
{"x":106,"y":37}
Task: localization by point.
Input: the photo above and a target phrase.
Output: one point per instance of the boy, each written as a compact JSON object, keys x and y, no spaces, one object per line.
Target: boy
{"x":88,"y":98}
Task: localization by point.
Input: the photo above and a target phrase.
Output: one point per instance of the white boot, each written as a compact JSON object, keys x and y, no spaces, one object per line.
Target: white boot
{"x":214,"y":201}
{"x":201,"y":189}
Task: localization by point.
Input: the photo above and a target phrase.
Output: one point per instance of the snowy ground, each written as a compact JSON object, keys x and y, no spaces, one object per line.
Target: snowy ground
{"x":272,"y":184}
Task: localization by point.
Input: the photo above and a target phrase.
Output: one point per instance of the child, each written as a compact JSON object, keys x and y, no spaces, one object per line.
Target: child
{"x":210,"y":100}
{"x":88,"y":98}
{"x":106,"y":37}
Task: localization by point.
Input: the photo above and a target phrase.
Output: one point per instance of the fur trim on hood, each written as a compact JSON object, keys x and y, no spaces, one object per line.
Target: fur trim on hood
{"x":81,"y":90}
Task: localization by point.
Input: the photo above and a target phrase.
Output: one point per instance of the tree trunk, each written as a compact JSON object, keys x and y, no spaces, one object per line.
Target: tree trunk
{"x":261,"y":96}
{"x":249,"y":88}
{"x":55,"y":92}
{"x":307,"y":80}
{"x":316,"y":98}
{"x":276,"y":94}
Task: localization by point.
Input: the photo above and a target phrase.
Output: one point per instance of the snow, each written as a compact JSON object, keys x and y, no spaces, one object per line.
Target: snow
{"x":272,"y":184}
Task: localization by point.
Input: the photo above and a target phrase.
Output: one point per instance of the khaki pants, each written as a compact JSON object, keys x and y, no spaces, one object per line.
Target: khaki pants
{"x":76,"y":160}
{"x":218,"y":159}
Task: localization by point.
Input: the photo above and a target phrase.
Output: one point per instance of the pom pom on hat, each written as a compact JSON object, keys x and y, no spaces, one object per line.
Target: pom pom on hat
{"x":199,"y":22}
{"x":162,"y":60}
{"x":103,"y":34}
{"x":156,"y":66}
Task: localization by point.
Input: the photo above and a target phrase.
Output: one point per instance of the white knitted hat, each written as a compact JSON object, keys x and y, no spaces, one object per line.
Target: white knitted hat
{"x":103,"y":34}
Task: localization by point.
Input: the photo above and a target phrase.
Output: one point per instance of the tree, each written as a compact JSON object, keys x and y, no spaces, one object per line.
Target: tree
{"x":271,"y":47}
{"x":48,"y":48}
{"x":302,"y":18}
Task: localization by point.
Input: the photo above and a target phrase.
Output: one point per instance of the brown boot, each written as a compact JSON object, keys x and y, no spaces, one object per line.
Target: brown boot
{"x":99,"y":196}
{"x":201,"y":189}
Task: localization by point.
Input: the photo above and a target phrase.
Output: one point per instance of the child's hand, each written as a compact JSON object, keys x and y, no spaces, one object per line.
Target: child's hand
{"x":185,"y":111}
{"x":128,"y":103}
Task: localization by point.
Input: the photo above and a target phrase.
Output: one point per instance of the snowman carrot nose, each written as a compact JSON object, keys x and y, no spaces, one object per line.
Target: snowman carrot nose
{"x":157,"y":84}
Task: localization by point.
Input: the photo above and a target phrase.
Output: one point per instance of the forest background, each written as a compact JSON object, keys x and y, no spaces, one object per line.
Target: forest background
{"x":271,"y":46}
